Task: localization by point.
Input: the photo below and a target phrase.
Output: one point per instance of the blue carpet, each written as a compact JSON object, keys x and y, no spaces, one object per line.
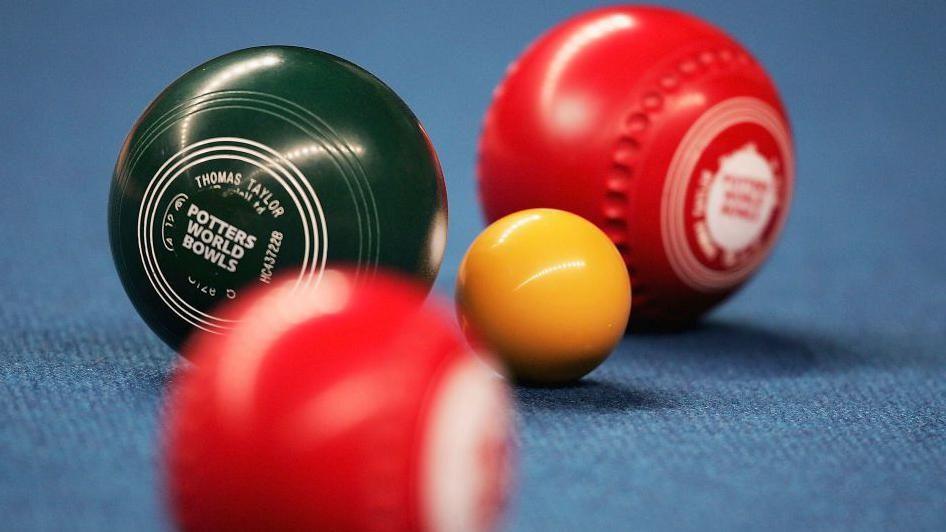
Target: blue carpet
{"x":815,"y":399}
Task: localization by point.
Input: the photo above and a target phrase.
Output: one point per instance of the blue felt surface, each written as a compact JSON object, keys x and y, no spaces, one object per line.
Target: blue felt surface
{"x":813,"y":400}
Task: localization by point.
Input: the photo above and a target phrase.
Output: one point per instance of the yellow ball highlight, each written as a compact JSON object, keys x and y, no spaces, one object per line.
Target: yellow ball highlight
{"x":547,"y":292}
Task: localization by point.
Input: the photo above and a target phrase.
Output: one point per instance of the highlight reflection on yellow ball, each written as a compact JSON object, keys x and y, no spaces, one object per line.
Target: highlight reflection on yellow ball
{"x":547,"y":292}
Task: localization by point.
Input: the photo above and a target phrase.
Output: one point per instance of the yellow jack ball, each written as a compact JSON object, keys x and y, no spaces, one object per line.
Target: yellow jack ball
{"x":547,"y":292}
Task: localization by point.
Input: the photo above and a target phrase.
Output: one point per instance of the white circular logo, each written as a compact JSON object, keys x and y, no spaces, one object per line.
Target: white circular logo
{"x":175,"y":206}
{"x":741,"y":199}
{"x":726,"y":193}
{"x":465,"y":465}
